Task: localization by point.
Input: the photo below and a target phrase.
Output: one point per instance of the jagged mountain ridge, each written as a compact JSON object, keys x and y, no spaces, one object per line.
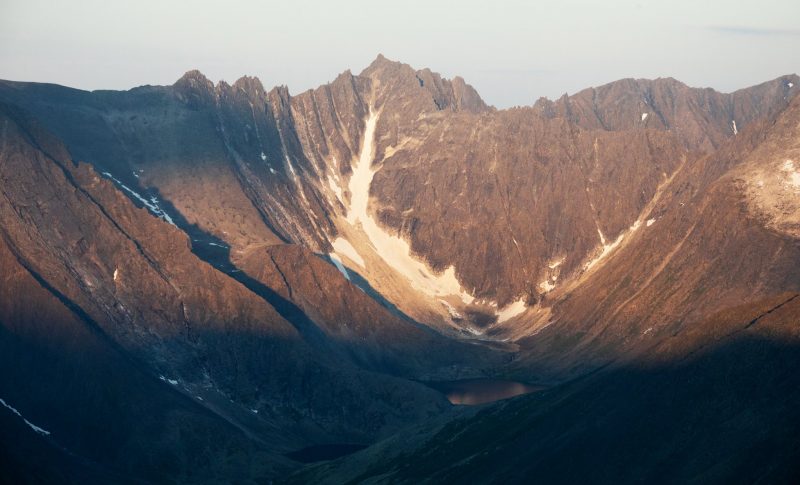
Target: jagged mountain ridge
{"x":261,"y":149}
{"x":257,"y":182}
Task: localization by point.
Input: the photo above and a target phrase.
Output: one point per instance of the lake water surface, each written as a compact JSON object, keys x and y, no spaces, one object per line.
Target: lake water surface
{"x":471,"y":392}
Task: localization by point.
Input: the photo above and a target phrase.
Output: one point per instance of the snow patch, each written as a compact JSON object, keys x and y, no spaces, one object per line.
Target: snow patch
{"x":791,"y":85}
{"x":342,"y":246}
{"x":793,"y":176}
{"x":546,"y":286}
{"x":152,"y":204}
{"x":512,"y":310}
{"x":395,"y":251}
{"x":338,"y":263}
{"x":116,"y":273}
{"x":650,"y":222}
{"x":452,"y":311}
{"x":733,"y":126}
{"x":607,"y":248}
{"x":644,"y":116}
{"x":555,"y":263}
{"x":336,"y":189}
{"x":32,"y":426}
{"x":263,"y":157}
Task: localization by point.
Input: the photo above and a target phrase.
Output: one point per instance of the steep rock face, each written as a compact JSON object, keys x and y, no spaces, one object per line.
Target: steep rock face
{"x":131,"y":278}
{"x":408,"y":92}
{"x":168,"y":141}
{"x":329,"y":122}
{"x":564,"y":180}
{"x":516,"y":202}
{"x":512,"y":199}
{"x":535,"y":195}
{"x":706,"y":246}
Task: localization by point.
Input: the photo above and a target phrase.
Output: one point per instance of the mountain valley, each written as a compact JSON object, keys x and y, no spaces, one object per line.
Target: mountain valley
{"x":387,"y":280}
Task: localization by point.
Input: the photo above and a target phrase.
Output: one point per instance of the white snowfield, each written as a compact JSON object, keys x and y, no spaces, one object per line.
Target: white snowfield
{"x":343,"y":247}
{"x":392,"y":249}
{"x":510,"y":311}
{"x":39,"y":430}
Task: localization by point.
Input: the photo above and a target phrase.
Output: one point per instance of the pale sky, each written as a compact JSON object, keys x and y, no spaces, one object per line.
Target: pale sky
{"x":512,"y":51}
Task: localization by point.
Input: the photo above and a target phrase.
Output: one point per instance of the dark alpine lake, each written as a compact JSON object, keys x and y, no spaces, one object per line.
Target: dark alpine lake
{"x":470,"y":392}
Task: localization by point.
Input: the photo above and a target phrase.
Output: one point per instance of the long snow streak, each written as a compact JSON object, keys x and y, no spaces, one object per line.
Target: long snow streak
{"x":31,"y":425}
{"x":393,"y":250}
{"x":152,"y":204}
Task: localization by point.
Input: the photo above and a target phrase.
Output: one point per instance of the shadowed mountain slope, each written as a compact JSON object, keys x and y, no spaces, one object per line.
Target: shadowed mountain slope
{"x":687,"y":413}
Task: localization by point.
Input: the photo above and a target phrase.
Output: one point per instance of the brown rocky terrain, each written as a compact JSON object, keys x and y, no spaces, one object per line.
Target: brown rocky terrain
{"x":252,"y":167}
{"x":221,"y":274}
{"x":704,"y":229}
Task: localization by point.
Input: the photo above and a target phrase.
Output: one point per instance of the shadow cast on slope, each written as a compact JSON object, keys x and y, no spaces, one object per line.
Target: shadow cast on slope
{"x":216,"y":252}
{"x":726,"y":414}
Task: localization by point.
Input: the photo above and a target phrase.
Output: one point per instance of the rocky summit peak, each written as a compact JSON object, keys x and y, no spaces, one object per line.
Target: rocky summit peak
{"x":249,"y":84}
{"x":382,"y":62}
{"x":194,"y":78}
{"x":194,"y":88}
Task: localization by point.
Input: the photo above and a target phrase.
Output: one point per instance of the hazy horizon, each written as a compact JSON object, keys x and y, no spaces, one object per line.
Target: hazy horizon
{"x":512,"y":55}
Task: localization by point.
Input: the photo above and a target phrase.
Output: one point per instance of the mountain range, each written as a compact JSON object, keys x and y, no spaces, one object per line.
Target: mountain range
{"x":207,"y":282}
